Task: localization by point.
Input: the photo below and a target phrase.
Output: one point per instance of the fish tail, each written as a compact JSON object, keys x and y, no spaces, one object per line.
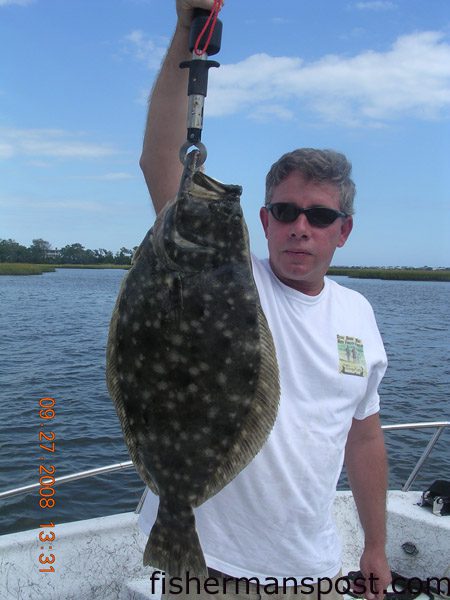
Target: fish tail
{"x":173,"y":545}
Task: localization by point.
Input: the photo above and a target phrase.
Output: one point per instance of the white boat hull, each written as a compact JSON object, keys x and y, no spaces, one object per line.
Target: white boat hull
{"x":102,"y":558}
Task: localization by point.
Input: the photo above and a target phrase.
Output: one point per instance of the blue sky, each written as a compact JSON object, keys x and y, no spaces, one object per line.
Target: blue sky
{"x":369,"y":78}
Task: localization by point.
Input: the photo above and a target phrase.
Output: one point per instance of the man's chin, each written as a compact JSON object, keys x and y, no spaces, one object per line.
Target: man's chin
{"x":292,"y":273}
{"x":296,"y":270}
{"x":300,"y":278}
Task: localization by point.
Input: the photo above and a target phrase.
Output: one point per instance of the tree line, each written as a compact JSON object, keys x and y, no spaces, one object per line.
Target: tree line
{"x":41,"y":252}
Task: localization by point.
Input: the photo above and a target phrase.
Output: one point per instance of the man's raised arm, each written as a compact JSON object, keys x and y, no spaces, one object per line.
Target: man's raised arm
{"x":165,"y":132}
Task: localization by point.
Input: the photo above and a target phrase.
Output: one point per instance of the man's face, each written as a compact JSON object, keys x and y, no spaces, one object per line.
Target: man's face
{"x":300,"y":253}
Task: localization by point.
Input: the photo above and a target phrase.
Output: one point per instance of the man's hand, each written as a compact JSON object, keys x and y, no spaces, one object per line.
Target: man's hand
{"x":376,"y":572}
{"x":185,"y":8}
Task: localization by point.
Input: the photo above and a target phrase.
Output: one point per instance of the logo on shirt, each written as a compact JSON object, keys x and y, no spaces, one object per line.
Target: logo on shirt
{"x":351,"y":356}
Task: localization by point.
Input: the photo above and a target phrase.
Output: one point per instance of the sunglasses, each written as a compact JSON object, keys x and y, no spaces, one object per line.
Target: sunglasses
{"x":318,"y":216}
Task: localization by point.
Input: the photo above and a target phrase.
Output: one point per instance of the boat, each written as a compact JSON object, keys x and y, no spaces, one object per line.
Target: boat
{"x":101,"y":558}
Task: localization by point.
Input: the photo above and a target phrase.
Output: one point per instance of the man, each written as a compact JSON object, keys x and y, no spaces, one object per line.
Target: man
{"x":274,"y":520}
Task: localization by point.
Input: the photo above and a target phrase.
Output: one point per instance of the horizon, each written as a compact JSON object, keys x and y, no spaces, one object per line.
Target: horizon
{"x":372,"y":80}
{"x":332,"y":266}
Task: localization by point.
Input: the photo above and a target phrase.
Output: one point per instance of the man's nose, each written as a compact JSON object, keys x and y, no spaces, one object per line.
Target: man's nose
{"x":300,"y":227}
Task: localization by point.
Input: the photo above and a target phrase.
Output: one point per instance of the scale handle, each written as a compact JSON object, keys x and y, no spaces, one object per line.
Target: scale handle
{"x":198,"y":22}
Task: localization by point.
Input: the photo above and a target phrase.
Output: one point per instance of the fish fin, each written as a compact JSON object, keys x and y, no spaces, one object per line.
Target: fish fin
{"x":259,"y":420}
{"x":173,"y":545}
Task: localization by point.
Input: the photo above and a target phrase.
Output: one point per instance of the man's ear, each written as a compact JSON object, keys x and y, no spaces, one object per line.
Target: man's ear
{"x":346,"y":228}
{"x":264,"y":216}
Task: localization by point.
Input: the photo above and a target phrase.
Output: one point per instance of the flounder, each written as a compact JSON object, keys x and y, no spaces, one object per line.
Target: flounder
{"x":191,"y":364}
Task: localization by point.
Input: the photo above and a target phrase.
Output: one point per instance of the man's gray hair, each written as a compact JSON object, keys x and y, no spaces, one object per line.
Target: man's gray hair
{"x":322,"y":166}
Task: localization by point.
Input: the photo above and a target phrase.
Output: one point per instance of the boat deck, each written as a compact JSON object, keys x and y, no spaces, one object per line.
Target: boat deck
{"x":102,"y":558}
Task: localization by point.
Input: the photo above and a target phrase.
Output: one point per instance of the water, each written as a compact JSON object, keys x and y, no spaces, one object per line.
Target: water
{"x":54,"y":330}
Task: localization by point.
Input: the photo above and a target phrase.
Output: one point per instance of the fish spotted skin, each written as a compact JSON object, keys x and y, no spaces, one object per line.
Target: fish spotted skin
{"x":191,"y":364}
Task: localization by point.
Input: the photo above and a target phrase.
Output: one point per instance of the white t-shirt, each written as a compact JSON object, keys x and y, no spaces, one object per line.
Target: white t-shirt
{"x":274,"y":519}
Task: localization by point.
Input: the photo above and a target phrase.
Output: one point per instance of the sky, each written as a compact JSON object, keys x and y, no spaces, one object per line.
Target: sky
{"x":368,"y":78}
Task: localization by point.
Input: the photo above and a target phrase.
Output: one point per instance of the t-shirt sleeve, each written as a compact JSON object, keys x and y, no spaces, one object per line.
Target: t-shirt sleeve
{"x":256,"y":268}
{"x":370,"y":404}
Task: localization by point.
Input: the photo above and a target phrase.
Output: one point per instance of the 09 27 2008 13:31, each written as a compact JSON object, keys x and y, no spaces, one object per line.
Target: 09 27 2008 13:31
{"x":46,"y":485}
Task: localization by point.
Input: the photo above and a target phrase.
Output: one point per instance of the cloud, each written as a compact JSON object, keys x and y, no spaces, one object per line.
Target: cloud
{"x":109,"y":177}
{"x":376,"y":5}
{"x":45,"y":143}
{"x":18,"y":2}
{"x":142,"y":97}
{"x":144,"y":49}
{"x":39,"y":164}
{"x":412,"y":79}
{"x":270,"y":111}
{"x":6,"y":150}
{"x":280,"y":21}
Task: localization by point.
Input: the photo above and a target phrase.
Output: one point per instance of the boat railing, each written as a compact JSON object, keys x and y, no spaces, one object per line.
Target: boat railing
{"x":438,"y":426}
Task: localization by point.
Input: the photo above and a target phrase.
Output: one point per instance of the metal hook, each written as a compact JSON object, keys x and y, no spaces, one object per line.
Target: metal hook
{"x":202,"y":153}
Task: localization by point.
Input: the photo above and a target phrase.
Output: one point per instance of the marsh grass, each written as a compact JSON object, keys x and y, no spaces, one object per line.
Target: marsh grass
{"x":32,"y":269}
{"x":24,"y":269}
{"x":367,"y":273}
{"x":394,"y":274}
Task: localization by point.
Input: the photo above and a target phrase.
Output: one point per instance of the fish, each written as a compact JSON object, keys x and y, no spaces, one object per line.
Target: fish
{"x":191,"y":363}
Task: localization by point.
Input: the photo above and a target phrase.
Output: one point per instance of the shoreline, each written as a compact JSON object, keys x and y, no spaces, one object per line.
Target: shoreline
{"x":393,"y":273}
{"x":39,"y":269}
